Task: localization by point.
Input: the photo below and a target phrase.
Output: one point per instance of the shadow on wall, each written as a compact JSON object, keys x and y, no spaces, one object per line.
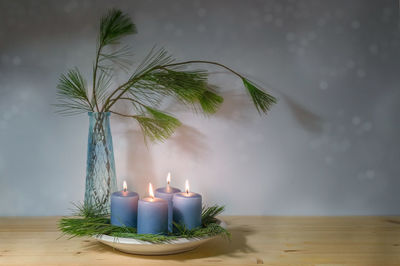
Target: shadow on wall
{"x":307,"y":119}
{"x":237,"y":107}
{"x":190,"y":141}
{"x":139,"y":160}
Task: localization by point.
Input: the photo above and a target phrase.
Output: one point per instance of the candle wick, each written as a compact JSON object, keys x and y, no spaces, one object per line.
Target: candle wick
{"x":124,"y":189}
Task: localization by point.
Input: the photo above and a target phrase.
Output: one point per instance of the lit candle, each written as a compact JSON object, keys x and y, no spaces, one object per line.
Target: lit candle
{"x":167,"y":193}
{"x":152,"y":215}
{"x":124,"y":207}
{"x":187,"y":208}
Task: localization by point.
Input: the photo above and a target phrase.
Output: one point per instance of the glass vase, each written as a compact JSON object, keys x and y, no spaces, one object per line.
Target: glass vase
{"x":101,"y":180}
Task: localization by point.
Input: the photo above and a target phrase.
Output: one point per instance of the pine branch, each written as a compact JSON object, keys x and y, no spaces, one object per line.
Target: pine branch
{"x":116,"y":57}
{"x":262,"y":100}
{"x":153,"y":60}
{"x":212,"y":229}
{"x":208,"y":214}
{"x":154,"y":81}
{"x":210,"y":101}
{"x":113,"y":27}
{"x":103,"y":82}
{"x":203,"y":62}
{"x":158,"y":126}
{"x":91,"y":226}
{"x":187,"y":86}
{"x":72,"y":93}
{"x":155,"y":124}
{"x":90,"y":211}
{"x":157,"y":77}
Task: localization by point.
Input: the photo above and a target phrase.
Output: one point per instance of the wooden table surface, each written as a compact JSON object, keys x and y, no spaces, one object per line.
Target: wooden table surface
{"x":255,"y":240}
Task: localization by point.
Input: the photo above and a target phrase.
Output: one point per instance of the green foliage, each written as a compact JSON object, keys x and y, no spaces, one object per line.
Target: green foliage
{"x":211,"y":229}
{"x":146,"y":237}
{"x":156,"y":78}
{"x":72,"y":93}
{"x":153,"y":60}
{"x":208,"y":214}
{"x":263,"y":101}
{"x":158,"y":125}
{"x":209,"y":225}
{"x":90,"y":226}
{"x":93,"y":221}
{"x":114,"y":26}
{"x":103,"y":83}
{"x":89,"y":211}
{"x":186,"y":86}
{"x":210,"y":101}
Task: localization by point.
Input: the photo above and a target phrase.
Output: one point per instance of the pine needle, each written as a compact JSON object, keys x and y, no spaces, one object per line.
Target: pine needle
{"x":156,"y":57}
{"x":114,"y":26}
{"x":262,"y":100}
{"x":158,"y":125}
{"x":187,"y":86}
{"x":208,"y":214}
{"x":72,"y":93}
{"x":210,"y":101}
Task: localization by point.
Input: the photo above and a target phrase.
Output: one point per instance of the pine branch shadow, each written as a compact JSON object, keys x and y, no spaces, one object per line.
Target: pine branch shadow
{"x":138,"y":158}
{"x":307,"y":119}
{"x":139,"y":161}
{"x":189,"y":141}
{"x":237,"y":107}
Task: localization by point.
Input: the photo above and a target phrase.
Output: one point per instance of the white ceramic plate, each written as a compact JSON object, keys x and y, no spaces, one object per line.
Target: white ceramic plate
{"x":139,"y":247}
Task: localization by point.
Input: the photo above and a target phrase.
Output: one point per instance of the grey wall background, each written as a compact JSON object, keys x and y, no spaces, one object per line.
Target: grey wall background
{"x":330,"y":147}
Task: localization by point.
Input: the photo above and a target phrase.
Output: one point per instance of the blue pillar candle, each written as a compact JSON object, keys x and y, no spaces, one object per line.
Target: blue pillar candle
{"x":167,"y":193}
{"x":187,"y":208}
{"x":152,"y":215}
{"x":124,"y":207}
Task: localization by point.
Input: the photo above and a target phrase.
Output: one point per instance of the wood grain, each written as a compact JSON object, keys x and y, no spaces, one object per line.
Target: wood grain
{"x":255,"y":240}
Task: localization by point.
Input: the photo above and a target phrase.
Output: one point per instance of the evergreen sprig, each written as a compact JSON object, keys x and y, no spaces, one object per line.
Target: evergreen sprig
{"x":208,"y":214}
{"x":157,"y":77}
{"x":157,"y":125}
{"x":94,"y":221}
{"x":114,"y":26}
{"x":263,"y":101}
{"x":211,"y":229}
{"x":72,"y":94}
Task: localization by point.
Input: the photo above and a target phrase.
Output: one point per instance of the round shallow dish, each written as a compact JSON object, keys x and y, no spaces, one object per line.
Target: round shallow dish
{"x":139,"y":247}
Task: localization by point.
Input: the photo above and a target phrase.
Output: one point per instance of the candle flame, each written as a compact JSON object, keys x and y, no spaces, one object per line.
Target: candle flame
{"x":187,"y":186}
{"x":125,"y":186}
{"x":151,"y":193}
{"x":168,"y":178}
